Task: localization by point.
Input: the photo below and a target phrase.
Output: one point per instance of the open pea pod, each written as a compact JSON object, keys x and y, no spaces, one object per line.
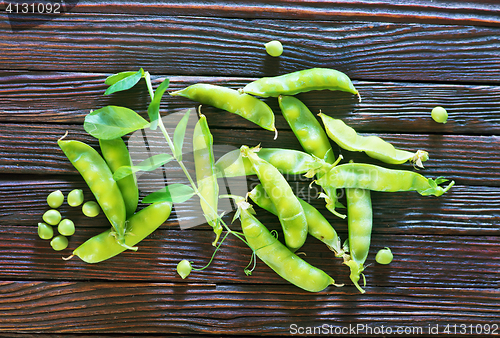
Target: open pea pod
{"x":287,"y":161}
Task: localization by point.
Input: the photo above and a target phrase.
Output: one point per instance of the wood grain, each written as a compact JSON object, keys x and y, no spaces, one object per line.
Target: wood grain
{"x":386,"y":106}
{"x":482,"y":12}
{"x":234,"y":47}
{"x":228,"y":309}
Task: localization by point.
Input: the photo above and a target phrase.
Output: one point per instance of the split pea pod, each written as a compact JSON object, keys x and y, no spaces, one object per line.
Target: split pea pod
{"x":103,"y":246}
{"x":232,"y":101}
{"x":99,"y":178}
{"x":375,"y":147}
{"x":289,"y":211}
{"x":317,"y":225}
{"x":301,"y":81}
{"x":375,"y":178}
{"x":278,"y":257}
{"x":313,"y":139}
{"x":205,"y":174}
{"x":116,"y":154}
{"x":359,"y":227}
{"x":287,"y":161}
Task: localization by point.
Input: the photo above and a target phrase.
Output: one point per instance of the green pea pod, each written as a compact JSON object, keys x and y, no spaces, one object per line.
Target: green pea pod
{"x":205,"y":174}
{"x":317,"y":225}
{"x":232,"y":101}
{"x":99,"y":178}
{"x":287,"y":161}
{"x":375,"y":147}
{"x":278,"y":257}
{"x":116,"y":154}
{"x":103,"y":246}
{"x":290,"y":212}
{"x":313,"y":139}
{"x":375,"y":178}
{"x":301,"y":81}
{"x":359,"y":227}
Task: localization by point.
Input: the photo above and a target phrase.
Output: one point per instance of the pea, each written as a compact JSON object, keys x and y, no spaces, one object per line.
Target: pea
{"x":45,"y":231}
{"x":274,"y":48}
{"x":52,"y":217}
{"x":384,"y":256}
{"x":75,"y":197}
{"x":66,"y":227}
{"x":91,"y":209}
{"x":55,"y":199}
{"x":59,"y":243}
{"x":439,"y":114}
{"x":184,"y":268}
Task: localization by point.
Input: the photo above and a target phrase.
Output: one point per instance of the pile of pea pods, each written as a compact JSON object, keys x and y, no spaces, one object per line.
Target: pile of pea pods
{"x":118,"y":195}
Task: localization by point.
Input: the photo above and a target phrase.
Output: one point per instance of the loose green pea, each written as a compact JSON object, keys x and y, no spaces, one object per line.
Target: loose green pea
{"x":52,"y":217}
{"x":184,"y":268}
{"x":45,"y":231}
{"x":66,"y":227}
{"x":439,"y":114}
{"x":384,"y":256}
{"x":59,"y":243}
{"x":75,"y":197}
{"x":274,"y":48}
{"x":55,"y":199}
{"x":91,"y":209}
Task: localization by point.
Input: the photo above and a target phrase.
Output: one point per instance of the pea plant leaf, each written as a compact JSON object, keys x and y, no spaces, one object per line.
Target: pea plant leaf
{"x":126,"y":82}
{"x":112,"y":79}
{"x":179,"y":133}
{"x":175,"y":193}
{"x":154,"y":106}
{"x":111,"y":122}
{"x":149,"y":164}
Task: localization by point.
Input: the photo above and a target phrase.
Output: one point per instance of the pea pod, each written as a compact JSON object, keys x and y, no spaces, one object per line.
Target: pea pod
{"x":375,"y":178}
{"x":375,"y":147}
{"x":278,"y":257}
{"x":287,"y":161}
{"x":289,"y":210}
{"x":359,"y":227}
{"x":313,"y":139}
{"x":116,"y":154}
{"x":103,"y":246}
{"x":99,"y":178}
{"x":301,"y":81}
{"x":232,"y":101}
{"x":205,"y":174}
{"x":317,"y":225}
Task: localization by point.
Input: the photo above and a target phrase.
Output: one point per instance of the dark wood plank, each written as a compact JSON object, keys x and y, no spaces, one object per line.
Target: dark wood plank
{"x":431,"y":260}
{"x":386,"y":106}
{"x":465,"y":159}
{"x":482,"y":12}
{"x":93,"y":307}
{"x":234,"y":47}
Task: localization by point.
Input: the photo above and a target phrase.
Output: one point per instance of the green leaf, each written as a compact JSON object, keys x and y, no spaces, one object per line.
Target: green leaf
{"x":111,"y":122}
{"x":112,"y":79}
{"x":179,"y":133}
{"x":154,"y":106}
{"x":148,"y":164}
{"x":125,"y":83}
{"x":175,"y":193}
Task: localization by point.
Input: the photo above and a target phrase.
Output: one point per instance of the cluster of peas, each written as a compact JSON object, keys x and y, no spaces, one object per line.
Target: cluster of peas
{"x":65,"y":227}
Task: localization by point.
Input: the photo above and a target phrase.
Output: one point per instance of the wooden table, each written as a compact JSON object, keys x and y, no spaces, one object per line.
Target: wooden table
{"x":405,"y":58}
